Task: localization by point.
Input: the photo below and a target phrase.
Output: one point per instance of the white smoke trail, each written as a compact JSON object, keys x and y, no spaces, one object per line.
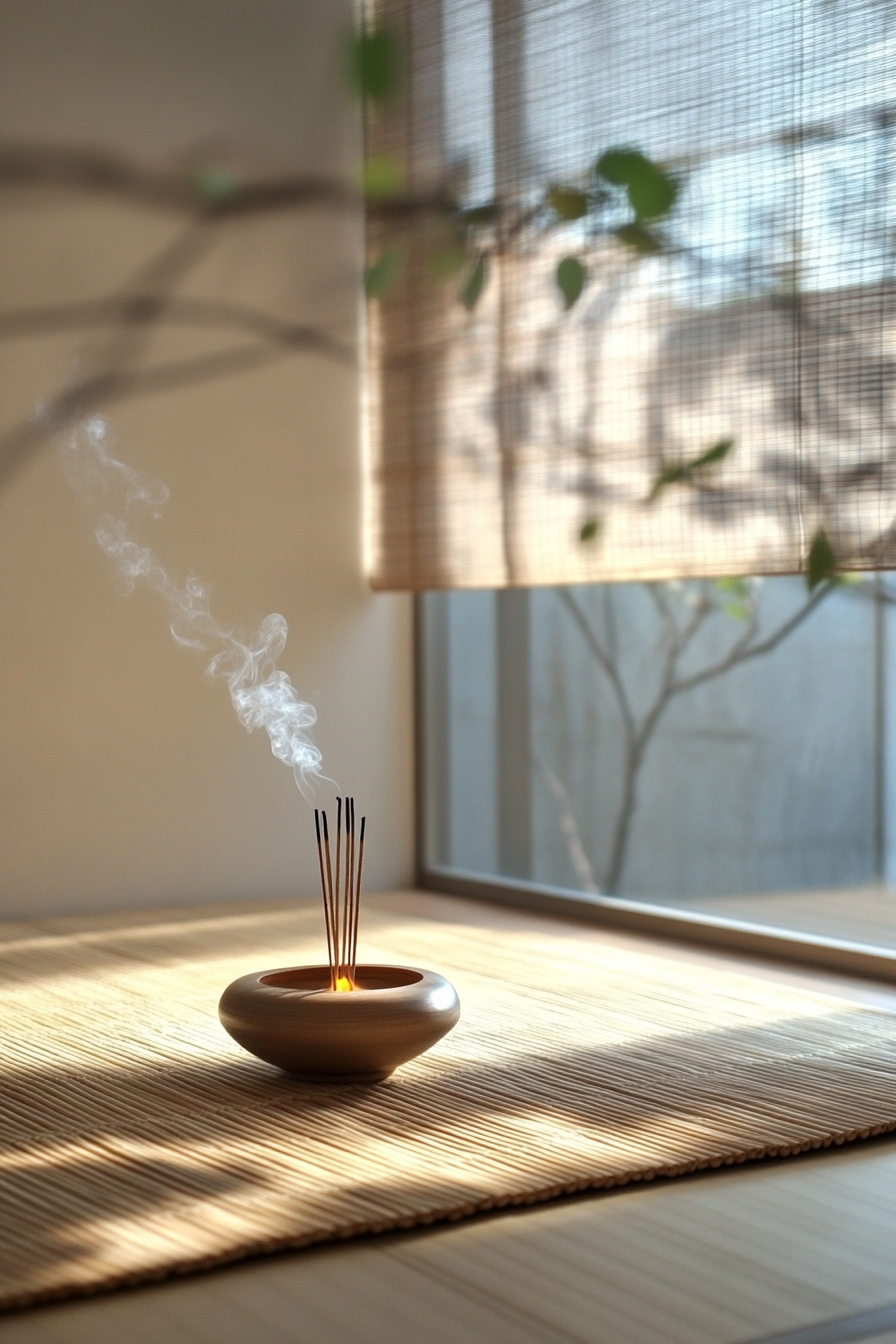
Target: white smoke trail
{"x":262,"y":696}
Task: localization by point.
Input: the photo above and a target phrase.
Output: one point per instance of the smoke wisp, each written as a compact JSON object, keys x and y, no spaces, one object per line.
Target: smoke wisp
{"x":262,"y":695}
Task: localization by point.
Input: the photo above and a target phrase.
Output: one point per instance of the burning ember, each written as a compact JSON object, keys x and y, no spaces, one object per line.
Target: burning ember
{"x":341,"y":892}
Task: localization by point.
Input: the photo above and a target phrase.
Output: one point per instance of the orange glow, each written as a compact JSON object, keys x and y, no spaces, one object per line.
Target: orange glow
{"x":344,"y":985}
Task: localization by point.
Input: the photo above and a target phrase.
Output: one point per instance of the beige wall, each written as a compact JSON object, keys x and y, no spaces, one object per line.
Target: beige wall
{"x":125,"y":778}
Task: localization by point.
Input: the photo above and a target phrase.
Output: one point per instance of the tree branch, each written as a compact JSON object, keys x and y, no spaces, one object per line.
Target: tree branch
{"x":95,"y":171}
{"x":666,"y":616}
{"x":139,"y":309}
{"x":702,"y":608}
{"x":742,"y":654}
{"x":160,"y":274}
{"x":100,"y":172}
{"x":606,"y":664}
{"x":638,"y":734}
{"x":569,"y":827}
{"x":90,"y":394}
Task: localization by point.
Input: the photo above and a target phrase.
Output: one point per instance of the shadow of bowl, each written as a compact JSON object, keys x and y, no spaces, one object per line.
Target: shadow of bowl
{"x":291,"y":1018}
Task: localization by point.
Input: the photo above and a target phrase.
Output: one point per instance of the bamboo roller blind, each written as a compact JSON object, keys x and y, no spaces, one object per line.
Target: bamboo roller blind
{"x":514,"y":441}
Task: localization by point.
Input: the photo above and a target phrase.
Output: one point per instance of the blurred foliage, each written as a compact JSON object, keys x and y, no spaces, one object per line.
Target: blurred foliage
{"x":376,"y":63}
{"x":448,"y":260}
{"x":639,"y":239}
{"x":625,"y":198}
{"x":738,"y":611}
{"x":689,"y":471}
{"x":567,"y":202}
{"x":479,"y":233}
{"x":471,"y":290}
{"x":383,"y":176}
{"x":733,"y":587}
{"x":618,"y":166}
{"x":571,"y":277}
{"x":651,"y":191}
{"x":821,"y":562}
{"x":380,"y":277}
{"x":737,"y":598}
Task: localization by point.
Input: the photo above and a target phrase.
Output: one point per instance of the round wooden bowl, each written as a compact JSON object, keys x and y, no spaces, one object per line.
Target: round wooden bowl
{"x":293,"y":1019}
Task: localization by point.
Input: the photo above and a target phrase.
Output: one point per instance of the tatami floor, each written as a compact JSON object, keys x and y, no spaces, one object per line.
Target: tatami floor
{"x":802,"y":1250}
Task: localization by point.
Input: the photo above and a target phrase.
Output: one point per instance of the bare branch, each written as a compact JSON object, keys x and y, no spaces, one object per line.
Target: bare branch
{"x":639,"y":730}
{"x":119,"y":375}
{"x":610,"y":624}
{"x":657,"y":596}
{"x":148,"y":299}
{"x":160,"y":275}
{"x":109,"y":387}
{"x":569,"y":827}
{"x":94,"y":171}
{"x":606,"y":664}
{"x":702,"y":609}
{"x":147,"y":309}
{"x":670,"y":662}
{"x":743,"y":651}
{"x":877,"y":592}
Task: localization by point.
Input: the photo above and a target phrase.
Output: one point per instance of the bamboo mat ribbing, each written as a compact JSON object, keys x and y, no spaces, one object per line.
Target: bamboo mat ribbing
{"x":137,"y":1140}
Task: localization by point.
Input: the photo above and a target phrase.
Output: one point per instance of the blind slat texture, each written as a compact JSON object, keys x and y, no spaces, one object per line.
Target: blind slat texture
{"x":537,"y":435}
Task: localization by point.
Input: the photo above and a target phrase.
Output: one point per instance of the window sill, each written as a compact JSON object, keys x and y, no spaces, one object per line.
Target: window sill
{"x":686,"y":926}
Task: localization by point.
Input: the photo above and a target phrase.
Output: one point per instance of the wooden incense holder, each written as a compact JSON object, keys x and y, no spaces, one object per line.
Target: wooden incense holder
{"x":293,"y":1019}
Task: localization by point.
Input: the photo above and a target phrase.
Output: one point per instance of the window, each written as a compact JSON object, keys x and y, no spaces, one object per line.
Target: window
{"x":672,"y":368}
{"x":762,"y":793}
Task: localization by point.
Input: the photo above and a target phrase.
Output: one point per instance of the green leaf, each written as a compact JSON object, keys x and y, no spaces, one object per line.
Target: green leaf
{"x":381,"y":276}
{"x":717,"y":453}
{"x":738,"y":611}
{"x":735,"y":587}
{"x":567,"y":202}
{"x":471,"y":289}
{"x":571,"y":277}
{"x":376,"y":63}
{"x":383,"y":176}
{"x":821,"y":563}
{"x":673,"y":473}
{"x":651,"y":192}
{"x":618,"y":165}
{"x":591,"y":529}
{"x":446,"y":261}
{"x":639,"y":239}
{"x":215,"y":184}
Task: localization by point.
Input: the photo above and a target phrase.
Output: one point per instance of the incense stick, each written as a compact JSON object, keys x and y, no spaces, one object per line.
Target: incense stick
{"x":349,"y":884}
{"x":341,"y":890}
{"x":323,"y":892}
{"x":336,"y":889}
{"x":354,"y":952}
{"x":330,"y":899}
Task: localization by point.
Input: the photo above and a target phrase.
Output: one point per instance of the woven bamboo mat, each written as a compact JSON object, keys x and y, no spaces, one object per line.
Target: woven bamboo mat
{"x":137,"y":1140}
